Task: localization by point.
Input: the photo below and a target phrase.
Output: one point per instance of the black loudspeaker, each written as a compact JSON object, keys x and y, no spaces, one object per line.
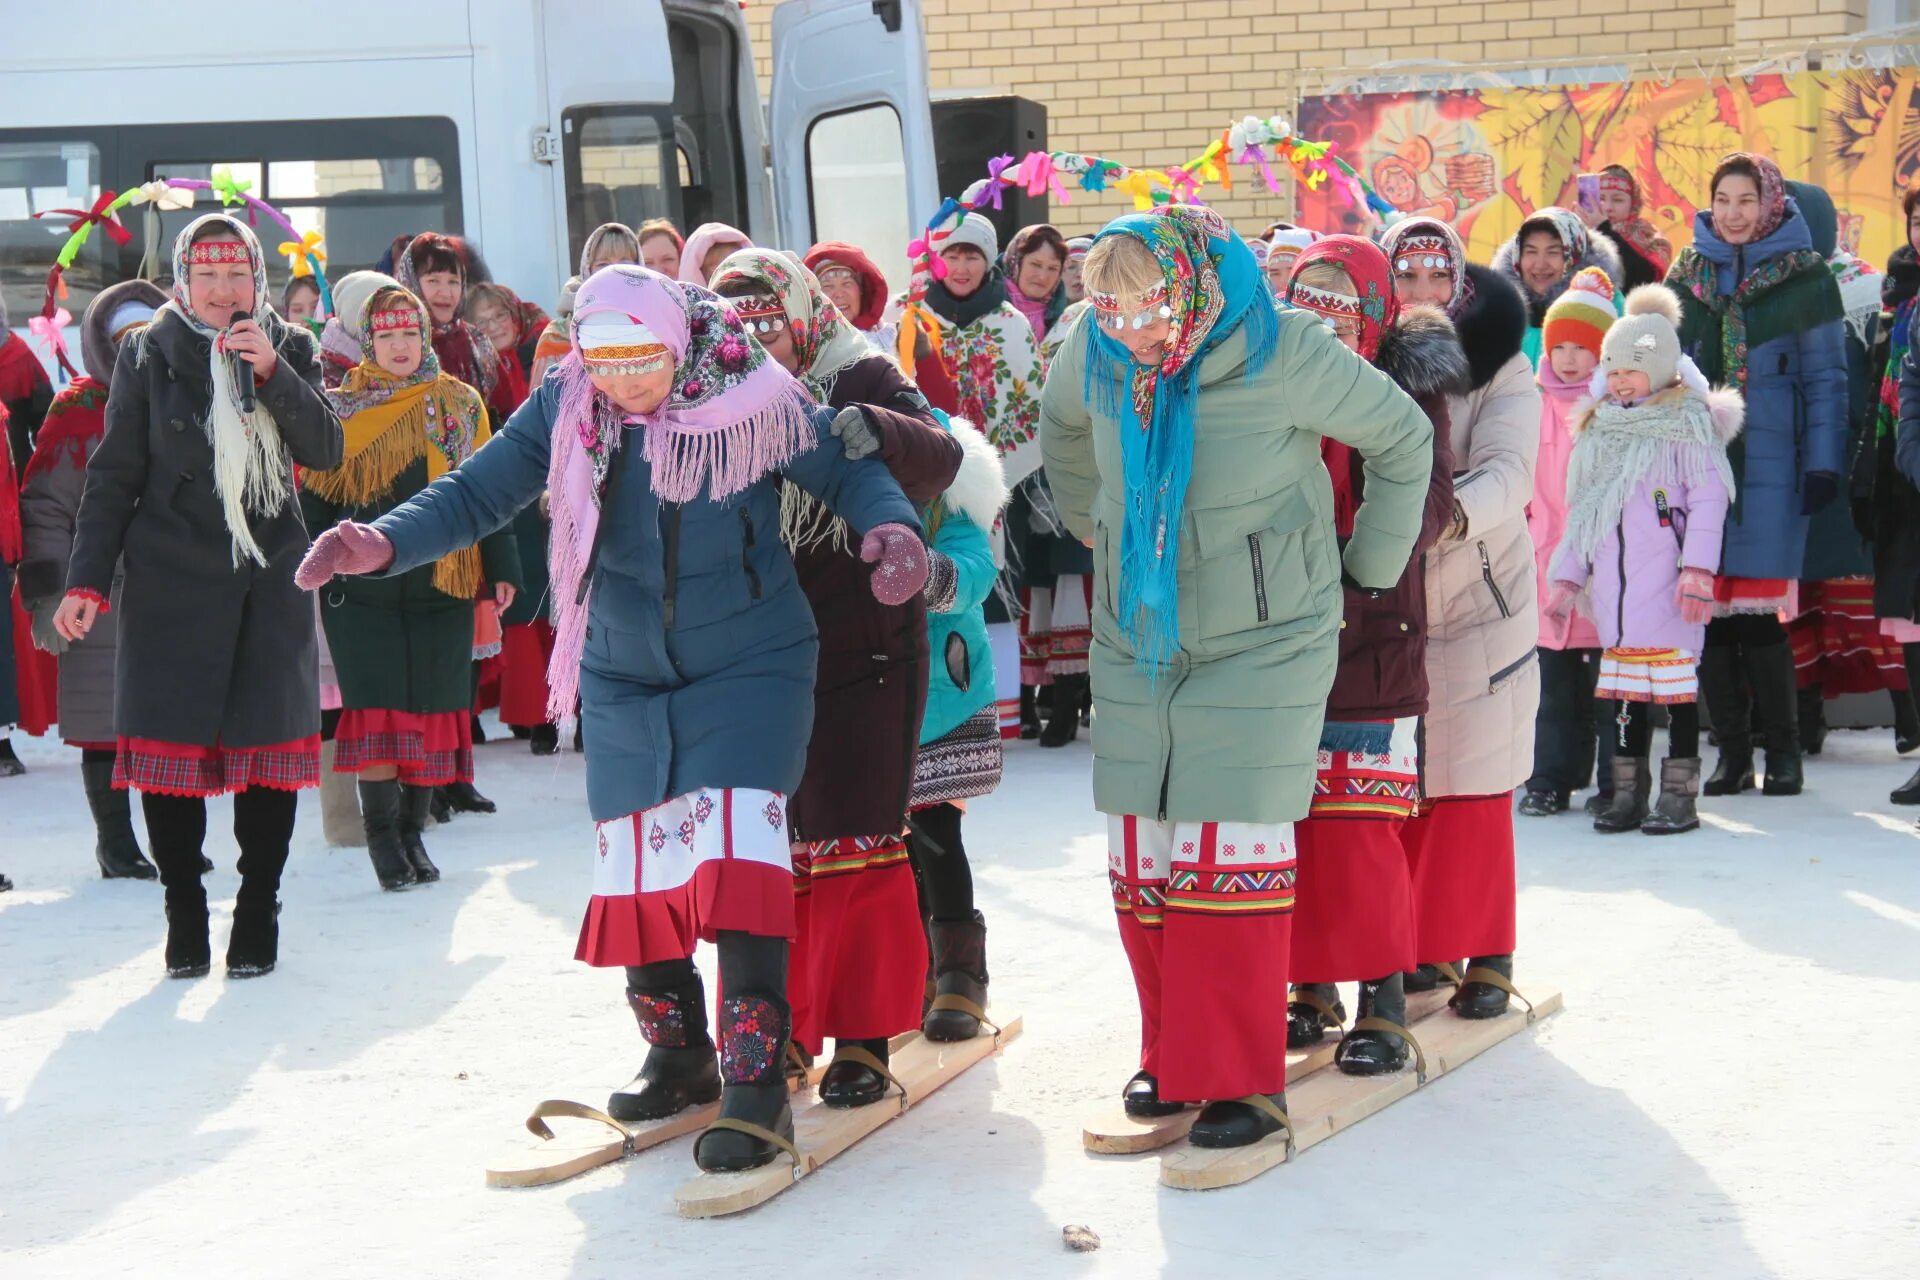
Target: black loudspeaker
{"x":968,"y":132}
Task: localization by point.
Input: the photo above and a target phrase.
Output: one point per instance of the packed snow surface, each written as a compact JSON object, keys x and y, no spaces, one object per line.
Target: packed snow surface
{"x":1727,"y":1094}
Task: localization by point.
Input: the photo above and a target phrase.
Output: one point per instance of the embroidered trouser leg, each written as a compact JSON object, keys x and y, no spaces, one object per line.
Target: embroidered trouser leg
{"x":1205,"y":911}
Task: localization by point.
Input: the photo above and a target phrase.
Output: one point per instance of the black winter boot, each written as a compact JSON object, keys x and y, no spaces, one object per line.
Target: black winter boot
{"x":1813,"y":720}
{"x":681,"y":1069}
{"x":263,"y":826}
{"x":1029,"y":713}
{"x":10,"y":766}
{"x":1909,"y":793}
{"x":1428,"y":977}
{"x":1678,"y":808}
{"x":852,"y":1081}
{"x":1483,"y":999}
{"x":1632,"y":780}
{"x":416,"y":805}
{"x":462,"y":797}
{"x":1724,"y":687}
{"x":755,"y":1023}
{"x":380,"y":811}
{"x":544,"y":739}
{"x":1313,"y":1009}
{"x":1238,"y":1122}
{"x":176,"y":829}
{"x":1141,"y":1098}
{"x":115,"y":848}
{"x":1770,"y":668}
{"x":1906,"y":723}
{"x":960,"y":979}
{"x":1064,"y":725}
{"x":1374,"y":1050}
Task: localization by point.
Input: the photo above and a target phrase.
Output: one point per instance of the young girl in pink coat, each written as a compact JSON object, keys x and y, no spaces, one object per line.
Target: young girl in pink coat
{"x":1649,"y":486}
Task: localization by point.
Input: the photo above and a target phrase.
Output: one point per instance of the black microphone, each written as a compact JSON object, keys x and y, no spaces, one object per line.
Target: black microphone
{"x":242,"y":371}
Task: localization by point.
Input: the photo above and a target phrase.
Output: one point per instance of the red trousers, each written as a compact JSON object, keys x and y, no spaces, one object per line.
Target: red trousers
{"x":1206,"y":913}
{"x":1354,"y":918}
{"x":858,"y":969}
{"x":1460,"y":850}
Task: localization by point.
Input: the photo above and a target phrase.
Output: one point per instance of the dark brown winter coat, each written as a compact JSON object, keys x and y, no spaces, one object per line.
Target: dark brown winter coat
{"x":1383,"y":636}
{"x":208,"y":653}
{"x":871,"y":688}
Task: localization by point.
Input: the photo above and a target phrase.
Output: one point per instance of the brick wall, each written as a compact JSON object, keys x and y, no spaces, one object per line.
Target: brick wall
{"x":1147,"y":84}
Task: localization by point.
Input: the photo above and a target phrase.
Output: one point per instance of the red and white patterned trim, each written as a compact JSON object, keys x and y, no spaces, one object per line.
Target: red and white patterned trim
{"x":217,"y":253}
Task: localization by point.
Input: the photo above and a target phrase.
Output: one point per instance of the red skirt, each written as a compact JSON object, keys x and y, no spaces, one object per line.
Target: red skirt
{"x":430,"y":749}
{"x":679,"y":873}
{"x":525,"y":651}
{"x":1837,"y":642}
{"x":1460,"y":850}
{"x":859,"y":963}
{"x":178,"y":769}
{"x":36,"y":675}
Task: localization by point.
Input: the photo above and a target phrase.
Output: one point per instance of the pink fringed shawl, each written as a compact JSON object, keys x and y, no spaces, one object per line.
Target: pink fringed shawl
{"x":732,"y":416}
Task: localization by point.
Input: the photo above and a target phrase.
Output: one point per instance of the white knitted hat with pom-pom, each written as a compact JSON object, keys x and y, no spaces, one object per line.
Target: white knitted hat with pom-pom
{"x":1647,"y":337}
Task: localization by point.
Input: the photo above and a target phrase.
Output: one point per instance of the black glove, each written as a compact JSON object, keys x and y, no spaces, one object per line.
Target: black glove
{"x":850,"y":425}
{"x":1819,"y":491}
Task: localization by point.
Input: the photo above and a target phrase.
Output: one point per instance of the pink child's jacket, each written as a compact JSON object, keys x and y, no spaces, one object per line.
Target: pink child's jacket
{"x":1547,"y":513}
{"x":1664,"y":527}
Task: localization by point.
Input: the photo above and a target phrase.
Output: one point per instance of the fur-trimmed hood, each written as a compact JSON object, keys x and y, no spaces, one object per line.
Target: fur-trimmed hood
{"x":1493,"y":328}
{"x":1422,"y":353}
{"x":1726,"y":407}
{"x":97,"y":351}
{"x":1586,"y":250}
{"x":979,"y":491}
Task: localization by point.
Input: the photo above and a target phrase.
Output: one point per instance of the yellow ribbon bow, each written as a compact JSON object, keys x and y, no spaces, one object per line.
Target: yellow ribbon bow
{"x":304,"y":252}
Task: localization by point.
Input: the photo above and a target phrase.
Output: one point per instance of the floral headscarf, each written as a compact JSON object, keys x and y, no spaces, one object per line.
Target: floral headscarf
{"x":183,"y":244}
{"x":464,"y":351}
{"x":1375,"y":308}
{"x":1432,"y":235}
{"x":1773,"y":189}
{"x":732,"y":416}
{"x":825,"y":341}
{"x":1213,"y":288}
{"x":702,"y":242}
{"x":1645,"y":239}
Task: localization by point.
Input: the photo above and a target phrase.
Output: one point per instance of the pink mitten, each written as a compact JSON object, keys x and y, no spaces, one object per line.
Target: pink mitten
{"x":1560,"y":598}
{"x":1694,"y":594}
{"x":345,"y":548}
{"x":900,"y":563}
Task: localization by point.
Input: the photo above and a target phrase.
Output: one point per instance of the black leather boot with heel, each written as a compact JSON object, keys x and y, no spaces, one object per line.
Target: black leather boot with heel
{"x":380,"y":812}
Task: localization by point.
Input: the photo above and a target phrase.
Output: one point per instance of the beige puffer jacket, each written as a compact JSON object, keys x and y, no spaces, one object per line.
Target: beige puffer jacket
{"x":1482,"y":616}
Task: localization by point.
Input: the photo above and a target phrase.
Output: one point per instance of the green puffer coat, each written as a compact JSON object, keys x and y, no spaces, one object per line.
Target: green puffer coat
{"x":1230,"y":730}
{"x":400,"y":643}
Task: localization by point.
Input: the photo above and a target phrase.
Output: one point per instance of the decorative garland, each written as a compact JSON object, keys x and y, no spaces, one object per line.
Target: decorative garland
{"x":1251,"y":141}
{"x":306,"y":254}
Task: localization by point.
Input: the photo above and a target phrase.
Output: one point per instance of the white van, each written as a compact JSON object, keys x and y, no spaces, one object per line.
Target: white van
{"x":520,"y":124}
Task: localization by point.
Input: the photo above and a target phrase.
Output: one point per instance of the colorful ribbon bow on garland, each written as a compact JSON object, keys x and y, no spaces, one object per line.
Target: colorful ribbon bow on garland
{"x":305,"y":255}
{"x":85,"y":220}
{"x":50,"y":330}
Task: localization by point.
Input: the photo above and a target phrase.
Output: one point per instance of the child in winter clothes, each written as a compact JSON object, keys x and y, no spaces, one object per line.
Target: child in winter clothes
{"x":1570,"y":720}
{"x":1650,"y":484}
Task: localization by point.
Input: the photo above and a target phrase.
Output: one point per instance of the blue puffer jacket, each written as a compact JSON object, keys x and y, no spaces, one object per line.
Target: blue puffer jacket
{"x":960,"y":683}
{"x":701,"y":647}
{"x":1796,"y":392}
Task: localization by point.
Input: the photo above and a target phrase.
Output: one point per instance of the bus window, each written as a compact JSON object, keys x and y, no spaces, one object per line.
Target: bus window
{"x":617,"y":162}
{"x":706,"y":76}
{"x":857,"y":184}
{"x":57,"y":173}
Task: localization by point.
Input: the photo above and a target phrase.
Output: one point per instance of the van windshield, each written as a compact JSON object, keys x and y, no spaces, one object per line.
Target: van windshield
{"x":621,"y":167}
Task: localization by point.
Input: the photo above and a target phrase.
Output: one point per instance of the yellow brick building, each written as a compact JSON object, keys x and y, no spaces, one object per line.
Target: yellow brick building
{"x":1147,"y":84}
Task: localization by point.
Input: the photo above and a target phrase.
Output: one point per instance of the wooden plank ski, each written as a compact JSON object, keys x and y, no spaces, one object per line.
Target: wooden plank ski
{"x":561,"y":1156}
{"x":1110,"y":1131}
{"x":1328,"y":1101}
{"x":822,"y":1132}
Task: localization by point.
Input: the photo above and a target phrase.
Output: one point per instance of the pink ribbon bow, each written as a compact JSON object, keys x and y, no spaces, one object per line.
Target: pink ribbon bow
{"x":49,"y":330}
{"x":1040,"y":177}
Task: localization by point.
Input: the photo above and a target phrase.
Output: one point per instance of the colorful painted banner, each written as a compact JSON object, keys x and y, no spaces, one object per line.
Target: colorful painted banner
{"x":1484,"y":159}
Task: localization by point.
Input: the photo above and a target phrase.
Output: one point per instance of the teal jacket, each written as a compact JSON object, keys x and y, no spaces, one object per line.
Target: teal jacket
{"x":960,"y":681}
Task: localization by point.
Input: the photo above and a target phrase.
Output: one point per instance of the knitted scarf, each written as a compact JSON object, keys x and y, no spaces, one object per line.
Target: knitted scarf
{"x":1668,"y":438}
{"x":1214,"y":287}
{"x":389,"y":423}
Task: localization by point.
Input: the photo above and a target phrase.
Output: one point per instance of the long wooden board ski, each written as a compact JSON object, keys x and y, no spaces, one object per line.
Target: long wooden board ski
{"x":1110,"y":1131}
{"x":822,"y":1132}
{"x":1327,"y":1102}
{"x":560,"y":1156}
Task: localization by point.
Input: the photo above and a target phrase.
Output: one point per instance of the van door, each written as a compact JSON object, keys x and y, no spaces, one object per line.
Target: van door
{"x":852,"y":130}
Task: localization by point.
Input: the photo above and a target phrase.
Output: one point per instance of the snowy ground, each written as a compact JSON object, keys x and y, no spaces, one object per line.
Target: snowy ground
{"x":1728,"y":1094}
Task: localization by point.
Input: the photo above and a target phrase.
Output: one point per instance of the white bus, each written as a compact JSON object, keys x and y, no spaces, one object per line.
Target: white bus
{"x":520,"y":124}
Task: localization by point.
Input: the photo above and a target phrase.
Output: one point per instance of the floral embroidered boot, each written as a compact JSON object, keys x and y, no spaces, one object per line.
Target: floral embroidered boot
{"x":756,"y":1122}
{"x":681,"y":1070}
